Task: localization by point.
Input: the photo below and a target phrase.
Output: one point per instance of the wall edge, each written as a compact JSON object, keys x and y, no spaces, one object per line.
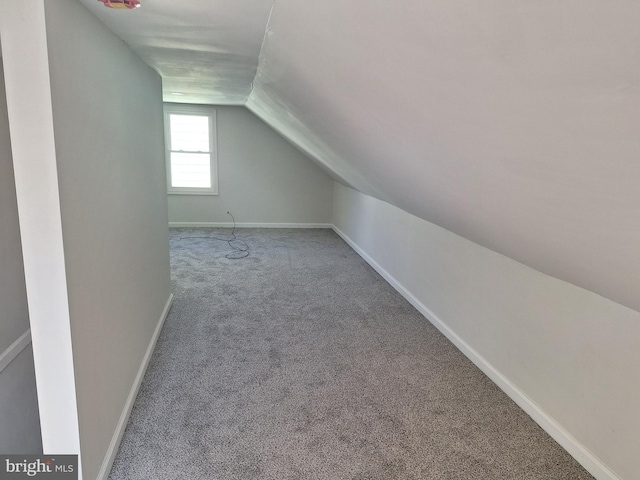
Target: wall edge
{"x":114,"y":445}
{"x":14,"y":349}
{"x":567,"y":441}
{"x":247,"y":225}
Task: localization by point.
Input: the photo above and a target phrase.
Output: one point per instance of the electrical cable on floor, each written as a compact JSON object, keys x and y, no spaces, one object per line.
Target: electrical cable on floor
{"x":237,"y":251}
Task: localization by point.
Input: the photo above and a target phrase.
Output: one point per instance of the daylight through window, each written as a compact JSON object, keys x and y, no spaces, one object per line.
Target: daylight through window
{"x":191,"y":166}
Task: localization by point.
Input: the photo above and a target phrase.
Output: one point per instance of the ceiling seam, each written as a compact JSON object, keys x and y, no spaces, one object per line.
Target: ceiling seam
{"x":264,"y":40}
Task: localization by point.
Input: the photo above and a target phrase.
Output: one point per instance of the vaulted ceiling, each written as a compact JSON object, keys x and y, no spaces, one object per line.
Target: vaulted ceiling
{"x":512,"y":123}
{"x":205,"y":50}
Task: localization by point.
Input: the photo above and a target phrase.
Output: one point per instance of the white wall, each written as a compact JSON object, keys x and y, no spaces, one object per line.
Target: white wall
{"x":568,"y":356}
{"x":510,"y":123}
{"x":28,"y":90}
{"x":262,"y":179}
{"x":93,"y":218}
{"x":19,"y":419}
{"x":107,"y":111}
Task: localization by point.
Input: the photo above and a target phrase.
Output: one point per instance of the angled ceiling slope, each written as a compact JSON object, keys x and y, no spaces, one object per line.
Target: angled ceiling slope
{"x":513,"y":124}
{"x":205,"y":50}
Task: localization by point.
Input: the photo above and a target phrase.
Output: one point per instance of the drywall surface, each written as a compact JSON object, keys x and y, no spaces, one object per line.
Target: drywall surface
{"x":28,"y":92}
{"x":107,"y":113}
{"x":19,"y":418}
{"x":573,"y":353}
{"x":14,"y":315}
{"x":206,"y":50}
{"x":262,"y":178}
{"x":281,"y":118}
{"x":513,"y":124}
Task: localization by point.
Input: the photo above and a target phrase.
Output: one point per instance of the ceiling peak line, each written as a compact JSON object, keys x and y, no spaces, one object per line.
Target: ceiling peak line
{"x":264,"y":40}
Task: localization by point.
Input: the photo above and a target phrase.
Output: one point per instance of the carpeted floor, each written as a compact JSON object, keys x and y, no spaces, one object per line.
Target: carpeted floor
{"x":300,"y":362}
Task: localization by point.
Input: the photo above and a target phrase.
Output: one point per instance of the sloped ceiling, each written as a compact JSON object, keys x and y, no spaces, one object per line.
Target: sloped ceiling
{"x":205,"y":50}
{"x":515,"y":124}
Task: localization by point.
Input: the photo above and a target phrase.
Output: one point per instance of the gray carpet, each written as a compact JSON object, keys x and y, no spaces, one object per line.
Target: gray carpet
{"x":301,"y":362}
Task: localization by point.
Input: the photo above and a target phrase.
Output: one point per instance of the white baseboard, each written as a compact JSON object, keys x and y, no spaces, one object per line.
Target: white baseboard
{"x":578,"y":451}
{"x":110,"y":456}
{"x":14,"y":349}
{"x":247,"y":225}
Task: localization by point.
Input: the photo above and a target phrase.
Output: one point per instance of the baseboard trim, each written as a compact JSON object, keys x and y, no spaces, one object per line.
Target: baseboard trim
{"x":578,"y":451}
{"x":110,"y":456}
{"x":14,"y":350}
{"x":247,"y":225}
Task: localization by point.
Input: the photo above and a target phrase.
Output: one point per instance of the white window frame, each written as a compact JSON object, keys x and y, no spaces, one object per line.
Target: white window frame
{"x":199,"y":110}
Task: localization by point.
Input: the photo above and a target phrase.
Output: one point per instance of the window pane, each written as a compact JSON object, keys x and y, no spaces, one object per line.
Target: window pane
{"x":190,"y":170}
{"x":189,"y":132}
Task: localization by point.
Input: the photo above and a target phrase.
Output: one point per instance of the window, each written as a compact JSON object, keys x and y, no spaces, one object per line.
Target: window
{"x":191,"y":149}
